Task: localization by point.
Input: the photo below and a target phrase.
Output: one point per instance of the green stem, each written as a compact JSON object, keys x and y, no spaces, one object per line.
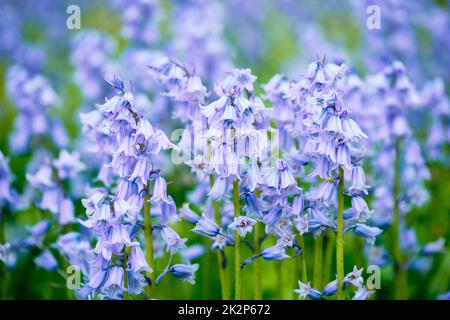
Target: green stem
{"x":340,"y":237}
{"x":222,"y":271}
{"x":302,"y":260}
{"x":237,"y":244}
{"x":328,"y":256}
{"x":318,"y":261}
{"x":400,"y":276}
{"x":150,"y":289}
{"x":257,"y":263}
{"x":125,"y":277}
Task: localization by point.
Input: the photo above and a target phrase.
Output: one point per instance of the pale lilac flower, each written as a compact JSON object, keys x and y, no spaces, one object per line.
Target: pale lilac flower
{"x":172,"y":240}
{"x":242,"y":225}
{"x":305,"y":291}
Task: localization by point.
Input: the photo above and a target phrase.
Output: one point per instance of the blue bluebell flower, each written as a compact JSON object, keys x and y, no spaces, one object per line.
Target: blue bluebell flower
{"x":242,"y":225}
{"x":206,"y":227}
{"x":305,"y":291}
{"x":184,"y":272}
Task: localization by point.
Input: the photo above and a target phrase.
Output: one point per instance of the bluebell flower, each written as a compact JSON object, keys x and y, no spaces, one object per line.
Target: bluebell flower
{"x":253,"y":177}
{"x":46,"y":260}
{"x":98,"y":279}
{"x":242,"y":225}
{"x":173,"y":241}
{"x":362,"y":293}
{"x":444,"y":296}
{"x":367,"y":232}
{"x":184,"y":272}
{"x":206,"y":227}
{"x":377,"y":255}
{"x":219,"y":242}
{"x":193,"y":252}
{"x":159,"y":191}
{"x":4,"y":251}
{"x":330,"y":289}
{"x":68,"y":164}
{"x":136,"y":260}
{"x":352,"y":130}
{"x":219,"y":189}
{"x":187,"y":214}
{"x":434,"y":247}
{"x":321,"y":168}
{"x":114,"y":283}
{"x":37,"y":233}
{"x":273,"y":253}
{"x":286,"y":239}
{"x":354,"y":277}
{"x":135,"y":282}
{"x":272,"y":217}
{"x":305,"y":291}
{"x":343,"y":156}
{"x":142,"y":170}
{"x":361,"y":207}
{"x":7,"y":193}
{"x":358,"y":180}
{"x":301,"y":223}
{"x":252,"y":206}
{"x":326,"y":190}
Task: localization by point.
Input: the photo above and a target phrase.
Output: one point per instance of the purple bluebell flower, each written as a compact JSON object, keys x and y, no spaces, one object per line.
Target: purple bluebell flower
{"x":173,"y":241}
{"x":219,"y":242}
{"x":46,"y":260}
{"x":252,"y":206}
{"x":7,"y":194}
{"x":444,"y":296}
{"x":358,"y":180}
{"x":362,"y":293}
{"x":367,"y":232}
{"x":4,"y":250}
{"x":354,"y":277}
{"x":434,"y":247}
{"x":187,"y":214}
{"x":68,"y":165}
{"x":206,"y":227}
{"x":184,"y":272}
{"x":273,"y":253}
{"x":242,"y":225}
{"x":286,"y":239}
{"x":305,"y":291}
{"x":136,"y":260}
{"x":114,"y":282}
{"x":98,"y":279}
{"x":302,"y":224}
{"x":330,"y":289}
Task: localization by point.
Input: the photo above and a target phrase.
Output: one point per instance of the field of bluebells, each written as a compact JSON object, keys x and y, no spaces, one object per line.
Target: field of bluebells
{"x":208,"y":149}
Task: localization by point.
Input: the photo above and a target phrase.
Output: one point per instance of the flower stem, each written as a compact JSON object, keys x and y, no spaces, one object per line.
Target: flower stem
{"x":302,"y":260}
{"x":237,"y":244}
{"x":125,"y":278}
{"x":257,"y":263}
{"x":220,"y":261}
{"x":400,"y":276}
{"x":318,"y":261}
{"x":340,"y":237}
{"x":328,"y":256}
{"x":151,"y":288}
